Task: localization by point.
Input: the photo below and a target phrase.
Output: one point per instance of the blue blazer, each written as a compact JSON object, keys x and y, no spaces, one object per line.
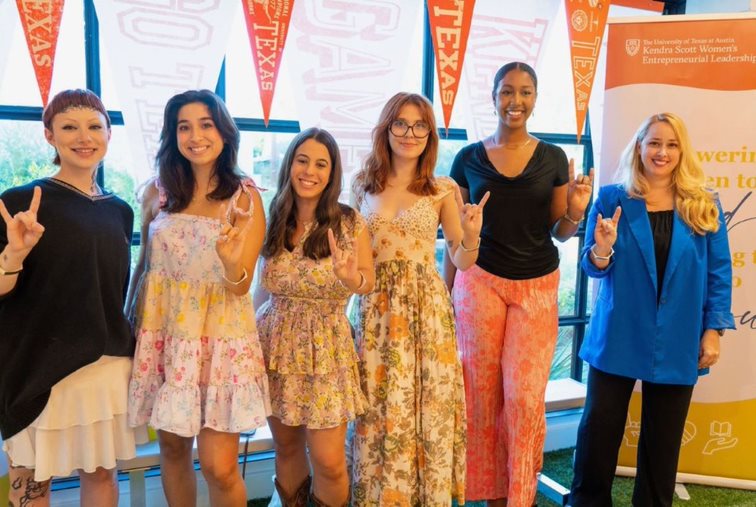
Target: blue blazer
{"x":630,"y":334}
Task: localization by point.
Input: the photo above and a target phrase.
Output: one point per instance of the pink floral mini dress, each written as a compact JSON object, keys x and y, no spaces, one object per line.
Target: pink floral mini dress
{"x":198,"y":362}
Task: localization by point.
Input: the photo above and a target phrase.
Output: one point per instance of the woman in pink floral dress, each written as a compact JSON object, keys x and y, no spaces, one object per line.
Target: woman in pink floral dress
{"x":316,"y":255}
{"x":198,"y":369}
{"x":409,"y":448}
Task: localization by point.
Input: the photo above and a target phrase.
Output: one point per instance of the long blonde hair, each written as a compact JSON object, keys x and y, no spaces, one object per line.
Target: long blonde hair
{"x":695,"y":204}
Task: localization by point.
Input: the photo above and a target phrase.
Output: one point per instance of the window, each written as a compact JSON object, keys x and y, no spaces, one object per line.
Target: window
{"x":25,"y":155}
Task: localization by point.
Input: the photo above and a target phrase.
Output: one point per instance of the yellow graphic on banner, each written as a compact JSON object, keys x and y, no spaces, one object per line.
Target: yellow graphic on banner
{"x":715,"y":438}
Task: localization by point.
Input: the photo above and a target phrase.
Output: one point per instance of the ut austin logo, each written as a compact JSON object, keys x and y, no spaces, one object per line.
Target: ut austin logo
{"x":632,"y":46}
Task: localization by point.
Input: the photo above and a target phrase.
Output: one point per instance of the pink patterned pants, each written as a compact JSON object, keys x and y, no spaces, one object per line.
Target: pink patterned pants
{"x":506,"y":333}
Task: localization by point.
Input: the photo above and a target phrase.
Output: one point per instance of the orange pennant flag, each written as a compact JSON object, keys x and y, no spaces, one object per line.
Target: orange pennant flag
{"x":586,"y":20}
{"x":648,"y":5}
{"x":267,"y":26}
{"x":450,"y":26}
{"x":41,"y":22}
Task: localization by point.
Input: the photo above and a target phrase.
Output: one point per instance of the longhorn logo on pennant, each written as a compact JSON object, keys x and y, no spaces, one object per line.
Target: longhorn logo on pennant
{"x":267,"y":26}
{"x":40,"y":20}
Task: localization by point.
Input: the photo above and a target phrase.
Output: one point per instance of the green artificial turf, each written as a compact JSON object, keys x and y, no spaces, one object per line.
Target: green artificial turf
{"x":558,"y":466}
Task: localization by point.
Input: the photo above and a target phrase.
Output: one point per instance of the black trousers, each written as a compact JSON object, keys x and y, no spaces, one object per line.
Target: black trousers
{"x":663,"y":412}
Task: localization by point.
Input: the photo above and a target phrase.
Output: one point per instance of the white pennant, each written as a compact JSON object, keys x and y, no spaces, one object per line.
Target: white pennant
{"x":499,"y":36}
{"x":346,"y":63}
{"x":8,"y":29}
{"x":158,"y":49}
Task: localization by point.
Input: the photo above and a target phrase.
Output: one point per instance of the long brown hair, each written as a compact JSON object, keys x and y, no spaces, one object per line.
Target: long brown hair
{"x":372,"y":177}
{"x":175,"y":171}
{"x":283,"y":209}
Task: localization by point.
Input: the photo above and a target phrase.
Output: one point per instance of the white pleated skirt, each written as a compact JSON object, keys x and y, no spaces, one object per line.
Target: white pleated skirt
{"x":83,"y":426}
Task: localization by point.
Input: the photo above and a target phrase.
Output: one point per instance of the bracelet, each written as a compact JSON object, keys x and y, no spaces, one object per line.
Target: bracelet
{"x":570,"y":220}
{"x":244,"y":277}
{"x":465,"y":249}
{"x":602,"y":257}
{"x":13,"y":272}
{"x":363,"y":281}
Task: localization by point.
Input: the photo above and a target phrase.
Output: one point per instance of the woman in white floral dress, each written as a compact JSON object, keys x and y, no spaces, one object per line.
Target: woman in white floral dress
{"x":409,"y":447}
{"x":316,"y":255}
{"x":198,"y":369}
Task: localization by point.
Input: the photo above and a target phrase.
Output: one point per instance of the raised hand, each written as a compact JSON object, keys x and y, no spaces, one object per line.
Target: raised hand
{"x":470,"y":215}
{"x":230,"y":243}
{"x":605,"y":233}
{"x":579,"y":192}
{"x":344,"y":261}
{"x":22,"y":229}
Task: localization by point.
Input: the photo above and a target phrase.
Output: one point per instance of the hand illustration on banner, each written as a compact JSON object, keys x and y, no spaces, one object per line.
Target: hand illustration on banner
{"x":632,"y":432}
{"x":722,"y":438}
{"x":689,"y":433}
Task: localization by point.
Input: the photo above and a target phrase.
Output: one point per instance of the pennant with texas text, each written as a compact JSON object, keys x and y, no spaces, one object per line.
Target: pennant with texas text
{"x":648,"y":5}
{"x":450,"y":26}
{"x":267,"y":26}
{"x":40,"y":20}
{"x":586,"y":20}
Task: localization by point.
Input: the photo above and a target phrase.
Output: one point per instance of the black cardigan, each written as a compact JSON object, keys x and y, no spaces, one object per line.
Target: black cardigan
{"x":66,"y":309}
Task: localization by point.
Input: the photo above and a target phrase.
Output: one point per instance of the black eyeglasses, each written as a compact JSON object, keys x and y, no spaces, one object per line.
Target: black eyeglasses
{"x":400,"y":128}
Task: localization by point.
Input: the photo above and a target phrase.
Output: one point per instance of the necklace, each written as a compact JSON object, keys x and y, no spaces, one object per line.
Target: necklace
{"x":97,"y":192}
{"x":518,"y":146}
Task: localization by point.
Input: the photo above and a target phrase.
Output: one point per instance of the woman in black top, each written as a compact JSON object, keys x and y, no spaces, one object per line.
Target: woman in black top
{"x":64,"y":340}
{"x":506,"y":305}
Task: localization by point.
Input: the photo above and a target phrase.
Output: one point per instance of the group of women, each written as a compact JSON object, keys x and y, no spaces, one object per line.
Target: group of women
{"x":446,"y":394}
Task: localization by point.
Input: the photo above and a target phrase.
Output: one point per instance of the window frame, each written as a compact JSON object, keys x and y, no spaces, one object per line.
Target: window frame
{"x":579,"y":320}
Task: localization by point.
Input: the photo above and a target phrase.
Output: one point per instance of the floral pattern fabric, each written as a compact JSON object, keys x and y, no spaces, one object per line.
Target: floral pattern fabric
{"x":409,"y":447}
{"x":198,"y":362}
{"x":307,"y":341}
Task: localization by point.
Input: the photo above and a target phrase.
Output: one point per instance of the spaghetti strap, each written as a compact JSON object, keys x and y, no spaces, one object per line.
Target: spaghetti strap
{"x":246,"y":186}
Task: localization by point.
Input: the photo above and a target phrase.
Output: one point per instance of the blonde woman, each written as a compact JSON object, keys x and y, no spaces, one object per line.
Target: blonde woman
{"x":658,"y":244}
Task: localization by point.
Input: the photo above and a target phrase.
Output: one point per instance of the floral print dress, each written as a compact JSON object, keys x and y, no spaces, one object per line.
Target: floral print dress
{"x":409,"y":447}
{"x":198,"y":362}
{"x":307,"y":340}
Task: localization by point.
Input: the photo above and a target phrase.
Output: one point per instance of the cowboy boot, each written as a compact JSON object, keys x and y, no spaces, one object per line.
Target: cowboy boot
{"x":298,"y":498}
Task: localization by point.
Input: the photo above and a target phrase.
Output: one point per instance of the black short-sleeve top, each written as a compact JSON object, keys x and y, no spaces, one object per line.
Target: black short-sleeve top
{"x":516,"y":236}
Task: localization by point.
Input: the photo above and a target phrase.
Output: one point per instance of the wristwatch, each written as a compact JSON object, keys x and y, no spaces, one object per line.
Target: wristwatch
{"x":14,"y":272}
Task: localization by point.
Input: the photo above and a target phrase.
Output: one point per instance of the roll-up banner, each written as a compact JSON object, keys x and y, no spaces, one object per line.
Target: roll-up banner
{"x":702,"y":68}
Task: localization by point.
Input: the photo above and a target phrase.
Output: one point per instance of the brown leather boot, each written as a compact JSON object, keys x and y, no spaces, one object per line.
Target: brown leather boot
{"x":298,"y":498}
{"x":317,"y":502}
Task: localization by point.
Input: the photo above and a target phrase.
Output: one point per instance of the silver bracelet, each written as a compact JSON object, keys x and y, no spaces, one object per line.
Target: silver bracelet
{"x":602,"y":257}
{"x":465,"y":249}
{"x":363,"y":281}
{"x":244,"y":277}
{"x":570,"y":220}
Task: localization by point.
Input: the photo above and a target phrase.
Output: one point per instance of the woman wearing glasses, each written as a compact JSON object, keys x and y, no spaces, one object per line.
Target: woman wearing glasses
{"x":409,"y":447}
